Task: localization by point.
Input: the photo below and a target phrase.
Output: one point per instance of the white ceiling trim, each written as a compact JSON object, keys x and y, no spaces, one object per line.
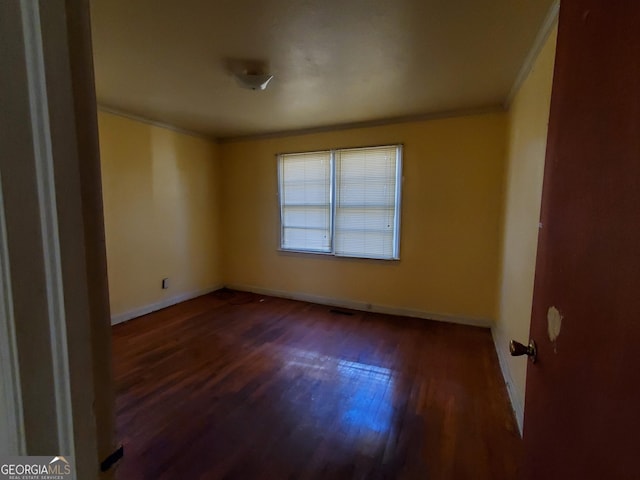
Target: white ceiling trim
{"x":549,"y":23}
{"x":368,"y":123}
{"x":155,"y":123}
{"x":308,"y":131}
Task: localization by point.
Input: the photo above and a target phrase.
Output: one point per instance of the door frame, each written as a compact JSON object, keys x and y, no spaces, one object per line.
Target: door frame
{"x":54,"y":300}
{"x":12,"y":440}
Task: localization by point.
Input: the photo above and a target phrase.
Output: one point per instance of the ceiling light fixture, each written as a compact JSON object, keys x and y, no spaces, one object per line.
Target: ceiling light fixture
{"x":253,"y":81}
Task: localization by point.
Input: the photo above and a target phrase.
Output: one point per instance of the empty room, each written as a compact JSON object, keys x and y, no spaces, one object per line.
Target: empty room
{"x":321,"y":240}
{"x":330,"y":237}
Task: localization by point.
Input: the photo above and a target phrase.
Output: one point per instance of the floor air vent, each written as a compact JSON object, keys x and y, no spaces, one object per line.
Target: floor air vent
{"x":341,"y":312}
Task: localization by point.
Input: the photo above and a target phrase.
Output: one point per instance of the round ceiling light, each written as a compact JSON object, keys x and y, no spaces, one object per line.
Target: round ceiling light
{"x":253,"y":81}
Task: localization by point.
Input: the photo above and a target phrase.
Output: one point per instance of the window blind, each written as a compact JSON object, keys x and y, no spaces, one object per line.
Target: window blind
{"x":344,"y":202}
{"x":305,"y":201}
{"x":366,"y":207}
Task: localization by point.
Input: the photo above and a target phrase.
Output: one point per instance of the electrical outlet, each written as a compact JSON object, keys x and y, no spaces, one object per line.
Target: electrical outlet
{"x":165,"y":283}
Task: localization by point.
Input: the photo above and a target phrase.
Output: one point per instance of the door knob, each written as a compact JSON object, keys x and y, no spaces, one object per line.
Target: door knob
{"x":517,"y":349}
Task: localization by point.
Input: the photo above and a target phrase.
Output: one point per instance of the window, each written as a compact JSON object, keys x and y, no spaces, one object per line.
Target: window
{"x":342,"y":202}
{"x":305,"y":201}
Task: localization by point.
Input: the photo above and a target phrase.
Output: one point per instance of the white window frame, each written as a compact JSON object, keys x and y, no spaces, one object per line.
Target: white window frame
{"x":333,"y":204}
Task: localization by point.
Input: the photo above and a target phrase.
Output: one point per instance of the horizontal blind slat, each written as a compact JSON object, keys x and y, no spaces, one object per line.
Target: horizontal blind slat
{"x":305,"y":201}
{"x":366,"y":187}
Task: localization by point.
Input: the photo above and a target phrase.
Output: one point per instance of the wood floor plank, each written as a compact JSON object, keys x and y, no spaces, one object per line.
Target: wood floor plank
{"x":234,"y":385}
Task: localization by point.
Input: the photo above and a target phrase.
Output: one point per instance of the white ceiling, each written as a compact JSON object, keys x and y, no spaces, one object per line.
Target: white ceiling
{"x":335,"y":62}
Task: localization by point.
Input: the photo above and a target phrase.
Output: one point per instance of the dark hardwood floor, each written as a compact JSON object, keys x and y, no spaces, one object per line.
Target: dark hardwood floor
{"x":233,"y":385}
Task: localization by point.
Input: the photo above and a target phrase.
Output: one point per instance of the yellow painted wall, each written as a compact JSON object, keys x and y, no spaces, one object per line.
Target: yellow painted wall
{"x":162,"y":212}
{"x":450,"y":230}
{"x":527,"y":140}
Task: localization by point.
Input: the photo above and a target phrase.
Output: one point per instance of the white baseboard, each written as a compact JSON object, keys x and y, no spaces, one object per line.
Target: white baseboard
{"x":517,"y":403}
{"x":167,"y":302}
{"x":363,"y":306}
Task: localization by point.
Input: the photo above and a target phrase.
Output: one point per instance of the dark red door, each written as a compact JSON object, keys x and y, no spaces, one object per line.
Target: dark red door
{"x":582,"y":412}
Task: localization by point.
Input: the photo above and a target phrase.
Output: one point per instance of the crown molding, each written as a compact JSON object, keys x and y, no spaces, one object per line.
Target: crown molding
{"x":137,"y":118}
{"x":549,"y":23}
{"x":368,"y":124}
{"x":308,"y":131}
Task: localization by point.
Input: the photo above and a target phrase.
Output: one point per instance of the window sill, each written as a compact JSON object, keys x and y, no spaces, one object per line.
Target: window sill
{"x":334,"y":255}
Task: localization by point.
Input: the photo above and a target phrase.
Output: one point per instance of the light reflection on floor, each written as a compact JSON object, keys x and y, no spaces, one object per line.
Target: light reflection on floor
{"x":369,"y":406}
{"x":362,"y":395}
